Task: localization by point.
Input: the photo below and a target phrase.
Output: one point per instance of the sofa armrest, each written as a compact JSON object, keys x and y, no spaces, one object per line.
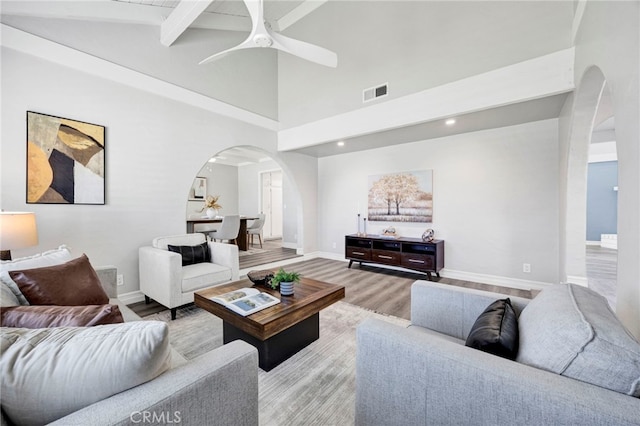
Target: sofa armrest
{"x":108,"y":276}
{"x":226,"y":255}
{"x":217,"y":388}
{"x":413,"y":376}
{"x":161,"y":275}
{"x":450,"y":309}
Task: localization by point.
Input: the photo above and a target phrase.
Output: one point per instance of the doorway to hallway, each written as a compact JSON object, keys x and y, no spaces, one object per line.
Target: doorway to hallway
{"x":271,"y":203}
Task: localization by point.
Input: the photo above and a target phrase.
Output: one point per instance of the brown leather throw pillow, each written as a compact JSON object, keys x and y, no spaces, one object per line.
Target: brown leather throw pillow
{"x":69,"y":284}
{"x":45,"y":316}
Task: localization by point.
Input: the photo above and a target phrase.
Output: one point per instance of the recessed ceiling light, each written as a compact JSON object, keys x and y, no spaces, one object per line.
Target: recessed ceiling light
{"x":450,"y":122}
{"x":341,"y":143}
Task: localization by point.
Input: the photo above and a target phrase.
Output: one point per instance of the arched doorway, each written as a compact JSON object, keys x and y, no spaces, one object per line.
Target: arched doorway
{"x":602,"y":202}
{"x":592,"y":106}
{"x":235,"y":175}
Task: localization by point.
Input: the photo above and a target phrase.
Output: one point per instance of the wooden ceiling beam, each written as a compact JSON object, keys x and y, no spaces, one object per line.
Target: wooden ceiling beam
{"x":298,"y":13}
{"x":184,"y":14}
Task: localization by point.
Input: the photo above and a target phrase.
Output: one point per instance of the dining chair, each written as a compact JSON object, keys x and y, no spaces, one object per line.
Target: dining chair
{"x":229,"y":229}
{"x":256,"y":229}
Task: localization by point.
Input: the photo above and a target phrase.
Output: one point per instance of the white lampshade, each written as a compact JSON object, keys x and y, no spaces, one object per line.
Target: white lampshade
{"x":17,"y":230}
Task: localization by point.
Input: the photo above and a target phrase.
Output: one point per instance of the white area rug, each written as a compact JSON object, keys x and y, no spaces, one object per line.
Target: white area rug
{"x":314,"y":387}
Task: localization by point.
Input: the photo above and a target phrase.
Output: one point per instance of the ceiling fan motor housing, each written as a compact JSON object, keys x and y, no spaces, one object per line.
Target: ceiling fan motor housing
{"x":262,"y":40}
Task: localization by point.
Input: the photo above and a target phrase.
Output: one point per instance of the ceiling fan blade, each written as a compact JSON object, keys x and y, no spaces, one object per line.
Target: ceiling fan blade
{"x":256,"y":12}
{"x":262,"y":36}
{"x":258,"y":27}
{"x":304,"y":50}
{"x":244,"y":45}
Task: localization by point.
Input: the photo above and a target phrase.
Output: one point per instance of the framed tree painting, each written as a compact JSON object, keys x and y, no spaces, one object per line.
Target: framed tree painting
{"x":401,"y":197}
{"x":65,"y":161}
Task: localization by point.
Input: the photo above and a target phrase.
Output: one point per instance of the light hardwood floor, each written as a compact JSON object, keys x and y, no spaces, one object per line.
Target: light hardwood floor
{"x":271,"y":251}
{"x":602,"y":270}
{"x":382,"y":290}
{"x":387,"y":291}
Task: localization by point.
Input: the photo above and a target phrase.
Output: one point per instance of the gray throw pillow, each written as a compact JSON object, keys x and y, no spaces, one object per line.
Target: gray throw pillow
{"x":571,"y":330}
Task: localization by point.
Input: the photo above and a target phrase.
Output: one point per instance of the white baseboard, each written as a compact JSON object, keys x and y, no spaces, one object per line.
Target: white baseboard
{"x":609,"y":241}
{"x":574,"y":279}
{"x":331,"y":256}
{"x":131,"y":297}
{"x":494,"y":280}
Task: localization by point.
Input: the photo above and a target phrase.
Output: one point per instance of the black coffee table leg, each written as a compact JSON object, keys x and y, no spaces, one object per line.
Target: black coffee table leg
{"x":280,"y":347}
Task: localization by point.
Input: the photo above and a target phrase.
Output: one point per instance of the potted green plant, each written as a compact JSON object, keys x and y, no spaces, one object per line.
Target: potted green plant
{"x":286,"y":280}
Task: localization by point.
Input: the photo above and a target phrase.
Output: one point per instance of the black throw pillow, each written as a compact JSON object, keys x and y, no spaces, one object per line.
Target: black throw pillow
{"x":192,"y":254}
{"x":496,"y":330}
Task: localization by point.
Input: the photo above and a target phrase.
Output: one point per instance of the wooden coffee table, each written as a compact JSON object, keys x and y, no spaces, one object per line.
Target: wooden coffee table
{"x":279,"y":331}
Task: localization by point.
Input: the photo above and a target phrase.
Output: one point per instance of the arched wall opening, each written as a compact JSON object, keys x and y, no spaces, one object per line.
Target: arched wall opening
{"x":236,"y":178}
{"x":587,"y":99}
{"x":602,"y":202}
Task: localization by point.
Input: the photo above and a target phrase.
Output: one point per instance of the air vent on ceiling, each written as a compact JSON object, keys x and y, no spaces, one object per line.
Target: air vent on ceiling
{"x":375,"y":92}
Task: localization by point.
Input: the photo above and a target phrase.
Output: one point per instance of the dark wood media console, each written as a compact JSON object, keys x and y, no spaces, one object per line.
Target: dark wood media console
{"x":410,"y":253}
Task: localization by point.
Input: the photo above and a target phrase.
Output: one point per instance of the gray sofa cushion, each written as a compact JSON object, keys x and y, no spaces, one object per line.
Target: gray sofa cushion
{"x":570,"y":330}
{"x":48,"y":373}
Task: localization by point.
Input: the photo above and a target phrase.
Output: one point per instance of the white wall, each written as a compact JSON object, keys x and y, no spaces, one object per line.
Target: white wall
{"x":222,"y":180}
{"x":609,"y":39}
{"x":430,"y":49}
{"x":249,"y":81}
{"x":154,"y":148}
{"x":495,"y":200}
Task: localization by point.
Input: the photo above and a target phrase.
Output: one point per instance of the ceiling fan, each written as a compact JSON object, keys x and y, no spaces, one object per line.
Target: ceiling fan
{"x":262,"y":36}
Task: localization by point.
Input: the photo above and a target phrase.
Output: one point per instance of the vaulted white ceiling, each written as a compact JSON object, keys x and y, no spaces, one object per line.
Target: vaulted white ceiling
{"x":414,"y":45}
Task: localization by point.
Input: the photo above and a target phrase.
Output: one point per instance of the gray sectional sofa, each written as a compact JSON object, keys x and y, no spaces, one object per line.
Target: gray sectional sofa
{"x":425,"y":375}
{"x":217,"y":388}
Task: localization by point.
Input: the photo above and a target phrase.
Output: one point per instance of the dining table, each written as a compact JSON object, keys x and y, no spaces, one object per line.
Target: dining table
{"x":242,"y":233}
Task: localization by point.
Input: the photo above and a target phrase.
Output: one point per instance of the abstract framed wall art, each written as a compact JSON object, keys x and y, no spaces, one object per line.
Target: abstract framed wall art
{"x":65,"y":161}
{"x":401,"y":197}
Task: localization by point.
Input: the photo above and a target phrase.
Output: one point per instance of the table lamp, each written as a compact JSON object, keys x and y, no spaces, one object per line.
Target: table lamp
{"x":17,"y":230}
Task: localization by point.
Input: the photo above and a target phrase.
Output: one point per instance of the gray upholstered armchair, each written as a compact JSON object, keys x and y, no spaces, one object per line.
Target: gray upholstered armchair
{"x":164,"y":279}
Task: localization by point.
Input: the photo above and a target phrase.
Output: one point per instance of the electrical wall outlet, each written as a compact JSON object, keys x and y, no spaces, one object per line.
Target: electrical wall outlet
{"x":526,"y":267}
{"x":333,"y":245}
{"x":120,"y":279}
